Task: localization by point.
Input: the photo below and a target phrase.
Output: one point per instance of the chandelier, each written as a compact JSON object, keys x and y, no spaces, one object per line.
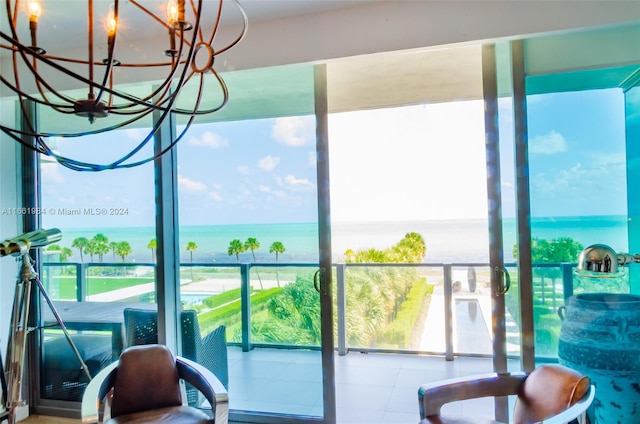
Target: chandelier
{"x":186,"y":28}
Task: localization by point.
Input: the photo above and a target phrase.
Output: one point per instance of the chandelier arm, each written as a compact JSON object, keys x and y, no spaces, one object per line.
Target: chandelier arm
{"x":165,"y":87}
{"x":172,"y":99}
{"x":198,"y":11}
{"x":197,"y":111}
{"x":108,"y":74}
{"x":163,"y":151}
{"x":90,"y":48}
{"x":45,"y":59}
{"x":20,"y":49}
{"x":39,"y":142}
{"x":245,"y":26}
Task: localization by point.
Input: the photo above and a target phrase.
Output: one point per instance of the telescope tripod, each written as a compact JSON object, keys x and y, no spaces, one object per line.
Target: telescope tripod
{"x":14,"y":367}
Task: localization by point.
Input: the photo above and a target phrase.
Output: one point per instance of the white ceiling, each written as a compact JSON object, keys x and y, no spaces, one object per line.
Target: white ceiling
{"x":63,"y":23}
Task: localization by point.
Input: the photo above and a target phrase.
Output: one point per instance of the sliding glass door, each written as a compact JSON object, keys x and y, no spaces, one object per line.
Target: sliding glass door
{"x":251,"y":228}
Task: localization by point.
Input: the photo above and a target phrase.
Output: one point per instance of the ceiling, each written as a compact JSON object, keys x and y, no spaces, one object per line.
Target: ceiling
{"x":63,"y":23}
{"x":358,"y":82}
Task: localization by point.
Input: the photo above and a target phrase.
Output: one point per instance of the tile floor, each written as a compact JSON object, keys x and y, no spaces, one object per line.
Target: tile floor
{"x":370,"y":388}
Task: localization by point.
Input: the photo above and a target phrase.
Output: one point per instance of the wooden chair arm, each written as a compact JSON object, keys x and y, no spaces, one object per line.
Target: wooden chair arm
{"x":432,"y":396}
{"x":95,"y":391}
{"x":208,"y":384}
{"x":576,"y":410}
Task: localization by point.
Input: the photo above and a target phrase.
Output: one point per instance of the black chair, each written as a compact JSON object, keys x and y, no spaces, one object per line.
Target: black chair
{"x":144,"y":387}
{"x":210,"y":351}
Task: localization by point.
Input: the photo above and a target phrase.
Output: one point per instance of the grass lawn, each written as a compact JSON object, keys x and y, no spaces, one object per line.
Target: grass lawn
{"x":64,"y":287}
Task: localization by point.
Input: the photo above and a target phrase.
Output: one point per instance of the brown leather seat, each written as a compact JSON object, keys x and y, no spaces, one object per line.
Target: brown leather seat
{"x":144,"y":387}
{"x":551,"y":392}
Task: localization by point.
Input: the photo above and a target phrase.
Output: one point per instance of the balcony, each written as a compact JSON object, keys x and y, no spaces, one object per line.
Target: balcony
{"x":278,"y":372}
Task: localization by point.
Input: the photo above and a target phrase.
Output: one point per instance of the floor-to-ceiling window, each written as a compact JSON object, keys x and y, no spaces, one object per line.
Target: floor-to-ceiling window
{"x":248,"y":210}
{"x":103,"y":263}
{"x":409,"y":225}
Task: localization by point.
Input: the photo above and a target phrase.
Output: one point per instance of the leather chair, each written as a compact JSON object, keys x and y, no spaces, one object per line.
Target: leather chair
{"x":144,"y":387}
{"x":551,"y":393}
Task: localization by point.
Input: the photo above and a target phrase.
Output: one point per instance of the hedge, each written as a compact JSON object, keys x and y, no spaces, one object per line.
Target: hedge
{"x":398,"y":334}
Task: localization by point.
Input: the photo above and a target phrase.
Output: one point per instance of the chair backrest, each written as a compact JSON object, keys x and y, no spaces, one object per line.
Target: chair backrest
{"x":146,"y":379}
{"x":142,"y":328}
{"x":211,"y":351}
{"x":547,"y":391}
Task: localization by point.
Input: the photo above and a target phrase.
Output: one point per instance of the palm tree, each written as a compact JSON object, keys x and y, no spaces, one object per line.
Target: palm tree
{"x":101,"y":243}
{"x":80,"y":243}
{"x":191,"y":246}
{"x":253,"y":245}
{"x":277,"y":247}
{"x":236,"y":247}
{"x":65,"y":254}
{"x":113,"y":245}
{"x":123,"y":249}
{"x":91,"y":249}
{"x":153,"y":244}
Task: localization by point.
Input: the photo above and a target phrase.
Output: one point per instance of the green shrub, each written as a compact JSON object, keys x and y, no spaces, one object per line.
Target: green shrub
{"x":399,"y":333}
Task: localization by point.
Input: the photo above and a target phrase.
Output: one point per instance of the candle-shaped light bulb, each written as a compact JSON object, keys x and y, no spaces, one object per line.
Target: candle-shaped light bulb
{"x":111,"y":23}
{"x":34,"y":9}
{"x":172,"y":12}
{"x":172,"y":19}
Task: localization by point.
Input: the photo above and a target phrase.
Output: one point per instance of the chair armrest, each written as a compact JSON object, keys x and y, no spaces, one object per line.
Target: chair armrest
{"x":574,"y":411}
{"x":96,"y":390}
{"x":432,"y":396}
{"x":208,"y":384}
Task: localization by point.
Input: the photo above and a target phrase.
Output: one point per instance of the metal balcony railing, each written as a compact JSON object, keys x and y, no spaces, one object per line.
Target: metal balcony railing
{"x":441,"y":274}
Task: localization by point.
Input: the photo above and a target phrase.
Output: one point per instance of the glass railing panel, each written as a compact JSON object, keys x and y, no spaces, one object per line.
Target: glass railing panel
{"x":120,"y":282}
{"x":285,"y":306}
{"x":213,"y":292}
{"x":471,"y":310}
{"x":60,"y":281}
{"x":387,"y":305}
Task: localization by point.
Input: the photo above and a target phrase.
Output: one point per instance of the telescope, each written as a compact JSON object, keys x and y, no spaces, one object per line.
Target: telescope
{"x":11,"y":377}
{"x":19,"y":245}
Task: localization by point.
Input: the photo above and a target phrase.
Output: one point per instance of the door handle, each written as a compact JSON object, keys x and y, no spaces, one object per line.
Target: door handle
{"x":316,"y":281}
{"x":507,"y":280}
{"x":319,"y":282}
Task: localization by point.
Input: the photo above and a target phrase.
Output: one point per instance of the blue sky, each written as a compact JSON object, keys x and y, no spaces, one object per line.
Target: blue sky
{"x":419,"y":162}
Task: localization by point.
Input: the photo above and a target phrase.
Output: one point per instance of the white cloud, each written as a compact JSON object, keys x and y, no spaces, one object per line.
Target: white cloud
{"x":268,"y":163}
{"x":297,"y":183}
{"x":186,"y":184}
{"x":548,"y":144}
{"x":264,"y":189}
{"x":312,"y":159}
{"x":51,"y":172}
{"x":136,"y":134}
{"x":209,"y":139}
{"x":289,"y":131}
{"x":244,"y":170}
{"x":214,"y":195}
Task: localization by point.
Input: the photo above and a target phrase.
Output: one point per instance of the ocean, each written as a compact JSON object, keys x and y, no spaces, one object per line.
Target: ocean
{"x":448,"y":241}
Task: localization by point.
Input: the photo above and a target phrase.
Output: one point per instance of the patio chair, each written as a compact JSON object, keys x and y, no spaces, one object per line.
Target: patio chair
{"x":141,"y":328}
{"x":552,"y":394}
{"x":144,"y":387}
